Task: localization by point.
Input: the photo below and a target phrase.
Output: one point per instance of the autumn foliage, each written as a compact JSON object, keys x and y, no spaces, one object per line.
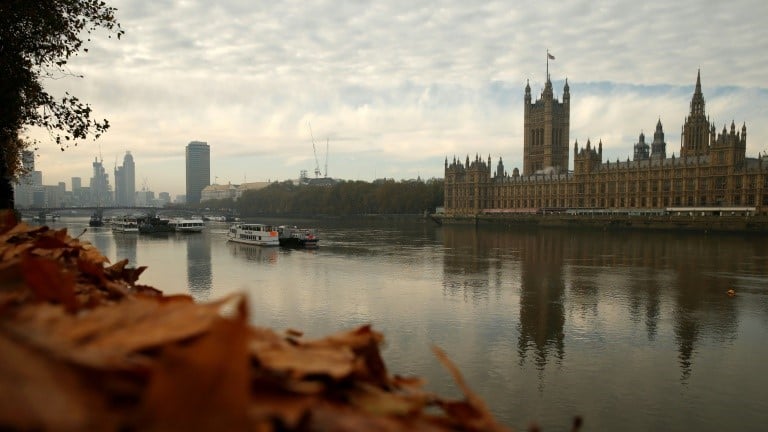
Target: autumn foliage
{"x":83,"y":346}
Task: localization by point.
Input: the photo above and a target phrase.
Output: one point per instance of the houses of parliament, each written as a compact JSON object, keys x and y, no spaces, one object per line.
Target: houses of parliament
{"x":710,"y":173}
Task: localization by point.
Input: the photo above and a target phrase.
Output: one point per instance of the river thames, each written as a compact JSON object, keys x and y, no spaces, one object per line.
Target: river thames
{"x":631,"y":330}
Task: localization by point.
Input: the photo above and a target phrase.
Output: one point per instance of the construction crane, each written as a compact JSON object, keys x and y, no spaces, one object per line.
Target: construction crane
{"x":314,"y":149}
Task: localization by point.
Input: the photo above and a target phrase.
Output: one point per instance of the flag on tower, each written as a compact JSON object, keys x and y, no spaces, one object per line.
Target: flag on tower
{"x":551,"y":57}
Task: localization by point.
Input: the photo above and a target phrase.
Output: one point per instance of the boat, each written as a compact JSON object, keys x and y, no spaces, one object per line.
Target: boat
{"x":292,"y":236}
{"x":126,"y":224}
{"x":187,"y":225}
{"x":152,"y":224}
{"x":215,"y":218}
{"x":254,"y":234}
{"x":97,"y":219}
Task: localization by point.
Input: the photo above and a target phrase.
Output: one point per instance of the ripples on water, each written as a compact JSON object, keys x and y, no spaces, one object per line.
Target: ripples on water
{"x":632,"y":330}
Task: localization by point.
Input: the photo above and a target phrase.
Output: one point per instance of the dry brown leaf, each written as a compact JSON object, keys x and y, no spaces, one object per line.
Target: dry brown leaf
{"x":285,"y":409}
{"x":106,"y":336}
{"x":300,"y":362}
{"x":48,"y":282}
{"x":374,"y":400}
{"x":203,"y":385}
{"x":40,"y":393}
{"x":90,"y":253}
{"x":342,"y":418}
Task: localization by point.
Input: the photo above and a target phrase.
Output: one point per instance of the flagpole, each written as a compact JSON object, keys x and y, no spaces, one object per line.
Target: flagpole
{"x":547,"y":64}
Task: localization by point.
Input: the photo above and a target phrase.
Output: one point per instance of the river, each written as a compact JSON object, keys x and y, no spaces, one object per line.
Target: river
{"x":633,"y":331}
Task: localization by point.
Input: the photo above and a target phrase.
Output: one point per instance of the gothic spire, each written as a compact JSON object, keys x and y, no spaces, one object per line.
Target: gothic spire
{"x":698,"y":82}
{"x":697,"y":101}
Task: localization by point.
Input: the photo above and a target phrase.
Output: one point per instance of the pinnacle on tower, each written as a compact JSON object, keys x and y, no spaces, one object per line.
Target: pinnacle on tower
{"x":698,"y":81}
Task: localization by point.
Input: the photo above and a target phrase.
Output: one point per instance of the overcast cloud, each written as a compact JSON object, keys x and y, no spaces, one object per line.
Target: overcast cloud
{"x":392,"y":88}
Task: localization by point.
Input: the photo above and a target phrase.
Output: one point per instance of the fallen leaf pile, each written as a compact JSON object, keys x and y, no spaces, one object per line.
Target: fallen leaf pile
{"x":84,"y":347}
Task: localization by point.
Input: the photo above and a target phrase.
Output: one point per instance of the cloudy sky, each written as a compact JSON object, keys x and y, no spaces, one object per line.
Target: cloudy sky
{"x":391,"y":88}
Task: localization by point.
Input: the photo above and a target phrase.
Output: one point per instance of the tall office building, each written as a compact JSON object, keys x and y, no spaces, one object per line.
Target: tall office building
{"x":100,"y":189}
{"x":125,"y":182}
{"x":198,"y":170}
{"x":22,"y":191}
{"x":79,"y":196}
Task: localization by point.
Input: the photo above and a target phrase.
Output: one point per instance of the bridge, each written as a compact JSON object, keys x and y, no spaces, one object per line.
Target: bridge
{"x":43,"y":213}
{"x":87,"y":209}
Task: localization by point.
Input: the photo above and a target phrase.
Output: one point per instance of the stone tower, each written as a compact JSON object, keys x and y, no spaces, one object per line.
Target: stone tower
{"x":659,"y":146}
{"x":696,"y":133}
{"x":642,"y":149}
{"x":546,"y":126}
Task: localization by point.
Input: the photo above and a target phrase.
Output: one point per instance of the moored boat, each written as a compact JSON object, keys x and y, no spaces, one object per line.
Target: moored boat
{"x":254,"y":234}
{"x":187,"y":225}
{"x":126,"y":224}
{"x":292,"y":236}
{"x":97,"y":219}
{"x":154,"y":225}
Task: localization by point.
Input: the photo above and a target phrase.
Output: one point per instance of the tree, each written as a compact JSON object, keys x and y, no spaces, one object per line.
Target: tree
{"x":37,"y":38}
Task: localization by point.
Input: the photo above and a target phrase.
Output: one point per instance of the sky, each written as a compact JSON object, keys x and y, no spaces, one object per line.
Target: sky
{"x":390,"y":89}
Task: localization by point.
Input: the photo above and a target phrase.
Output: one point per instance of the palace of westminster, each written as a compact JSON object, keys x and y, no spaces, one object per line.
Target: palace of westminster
{"x":711,"y":171}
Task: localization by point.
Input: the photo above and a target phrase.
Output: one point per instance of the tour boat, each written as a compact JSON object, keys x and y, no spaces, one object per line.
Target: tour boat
{"x":254,"y":234}
{"x":292,"y":236}
{"x":126,"y":224}
{"x":187,"y":225}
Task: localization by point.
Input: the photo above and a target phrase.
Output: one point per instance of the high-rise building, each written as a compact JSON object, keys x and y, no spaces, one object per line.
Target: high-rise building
{"x":78,"y":193}
{"x":198,"y":170}
{"x":22,"y":191}
{"x":125,"y":182}
{"x":100,"y":189}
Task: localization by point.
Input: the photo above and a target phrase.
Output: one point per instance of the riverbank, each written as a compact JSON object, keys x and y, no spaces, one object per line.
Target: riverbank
{"x":734,"y":224}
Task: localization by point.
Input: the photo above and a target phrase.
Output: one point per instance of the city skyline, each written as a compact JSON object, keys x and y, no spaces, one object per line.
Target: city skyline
{"x":396,"y":88}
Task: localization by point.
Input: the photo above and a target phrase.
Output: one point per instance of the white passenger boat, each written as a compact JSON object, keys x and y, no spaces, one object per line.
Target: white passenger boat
{"x":187,"y":225}
{"x":254,"y":234}
{"x":126,"y":224}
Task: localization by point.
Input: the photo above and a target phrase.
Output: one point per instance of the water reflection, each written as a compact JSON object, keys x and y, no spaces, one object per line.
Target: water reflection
{"x":597,"y":280}
{"x":542,"y":315}
{"x":199,"y":273}
{"x":101,"y":238}
{"x":263,"y":254}
{"x":125,"y":246}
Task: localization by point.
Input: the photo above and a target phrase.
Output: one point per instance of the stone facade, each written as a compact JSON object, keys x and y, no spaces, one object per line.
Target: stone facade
{"x":711,"y":170}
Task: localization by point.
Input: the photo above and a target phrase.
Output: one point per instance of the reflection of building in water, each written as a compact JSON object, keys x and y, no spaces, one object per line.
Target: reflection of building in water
{"x":466,"y":262}
{"x":702,"y":308}
{"x":473,"y":258}
{"x":672,"y":284}
{"x":103,"y":241}
{"x":199,"y":273}
{"x":125,"y":246}
{"x":645,"y":289}
{"x":542,"y":313}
